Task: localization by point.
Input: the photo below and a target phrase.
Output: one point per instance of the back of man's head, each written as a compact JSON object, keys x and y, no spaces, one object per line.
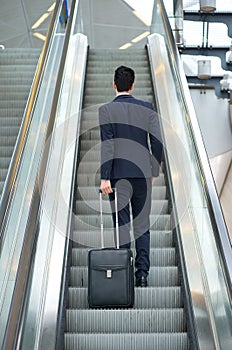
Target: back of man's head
{"x":124,"y":78}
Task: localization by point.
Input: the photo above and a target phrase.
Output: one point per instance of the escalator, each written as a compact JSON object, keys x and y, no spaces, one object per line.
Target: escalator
{"x":53,"y":218}
{"x":17,"y":69}
{"x":158,"y":318}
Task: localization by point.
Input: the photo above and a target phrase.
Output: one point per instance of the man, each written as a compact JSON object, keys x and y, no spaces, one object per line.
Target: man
{"x":130,"y":164}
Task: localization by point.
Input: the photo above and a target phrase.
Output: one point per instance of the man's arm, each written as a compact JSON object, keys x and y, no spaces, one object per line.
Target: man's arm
{"x":156,"y":144}
{"x":107,"y":150}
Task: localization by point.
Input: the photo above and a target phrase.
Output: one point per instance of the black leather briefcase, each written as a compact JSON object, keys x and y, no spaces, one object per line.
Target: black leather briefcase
{"x":110,"y":273}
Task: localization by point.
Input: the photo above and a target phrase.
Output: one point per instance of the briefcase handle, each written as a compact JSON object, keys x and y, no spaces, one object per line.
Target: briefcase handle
{"x":116,"y":214}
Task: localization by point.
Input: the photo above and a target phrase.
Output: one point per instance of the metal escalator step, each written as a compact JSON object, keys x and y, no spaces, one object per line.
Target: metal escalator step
{"x":107,"y":76}
{"x":93,"y":92}
{"x":4,"y":162}
{"x":92,"y":134}
{"x":145,"y":298}
{"x":6,"y":151}
{"x":15,"y":75}
{"x":158,"y":257}
{"x":110,"y":70}
{"x":17,"y":79}
{"x":116,"y":56}
{"x":90,"y":239}
{"x":1,"y":186}
{"x":7,"y":118}
{"x":13,"y":104}
{"x":107,"y":84}
{"x":90,"y":193}
{"x":86,"y":179}
{"x":7,"y":140}
{"x":88,"y":167}
{"x":166,"y":276}
{"x":22,"y":69}
{"x":140,"y":341}
{"x":98,"y":100}
{"x":16,"y":96}
{"x":3,"y":173}
{"x":8,"y":61}
{"x":86,"y":222}
{"x":90,"y":102}
{"x":13,"y":88}
{"x":8,"y":130}
{"x":86,"y":145}
{"x":128,"y":321}
{"x":92,"y":207}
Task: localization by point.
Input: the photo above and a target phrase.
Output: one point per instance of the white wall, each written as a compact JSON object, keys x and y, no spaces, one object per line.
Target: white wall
{"x":214,"y":121}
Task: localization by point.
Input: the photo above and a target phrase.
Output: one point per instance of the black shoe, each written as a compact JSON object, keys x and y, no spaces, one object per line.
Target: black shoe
{"x":141,"y":281}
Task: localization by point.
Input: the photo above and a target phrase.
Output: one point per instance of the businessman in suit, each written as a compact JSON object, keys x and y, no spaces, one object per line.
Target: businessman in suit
{"x":130,"y":163}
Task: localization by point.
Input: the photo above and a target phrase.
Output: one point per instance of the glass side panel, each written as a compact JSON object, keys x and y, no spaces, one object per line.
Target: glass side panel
{"x":26,"y":182}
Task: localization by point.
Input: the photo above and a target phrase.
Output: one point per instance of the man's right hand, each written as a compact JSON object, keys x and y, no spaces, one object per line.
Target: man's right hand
{"x":105,"y":187}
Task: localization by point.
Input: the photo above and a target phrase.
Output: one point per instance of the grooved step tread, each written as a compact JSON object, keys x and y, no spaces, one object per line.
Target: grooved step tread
{"x":92,"y":207}
{"x":90,"y":192}
{"x":145,"y":298}
{"x":85,"y":239}
{"x":161,"y":276}
{"x":128,"y":321}
{"x":125,"y":341}
{"x":158,"y":257}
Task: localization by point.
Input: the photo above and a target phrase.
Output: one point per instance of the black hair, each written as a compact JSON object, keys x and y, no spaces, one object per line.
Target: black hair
{"x":124,"y":78}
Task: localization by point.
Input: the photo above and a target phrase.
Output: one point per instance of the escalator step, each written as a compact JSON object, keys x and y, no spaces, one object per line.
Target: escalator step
{"x":158,"y":239}
{"x":8,"y":119}
{"x":134,"y":341}
{"x":22,"y":69}
{"x":86,"y":179}
{"x":92,"y":207}
{"x":145,"y":298}
{"x":86,"y":222}
{"x":158,"y":257}
{"x":128,"y":321}
{"x":6,"y":151}
{"x":9,"y":96}
{"x":158,"y":276}
{"x":8,"y":130}
{"x":4,"y":162}
{"x":90,"y":193}
{"x":15,"y":88}
{"x":7,"y":140}
{"x":13,"y":104}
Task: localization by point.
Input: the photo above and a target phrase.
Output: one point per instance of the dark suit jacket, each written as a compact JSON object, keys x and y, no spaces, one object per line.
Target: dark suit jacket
{"x":126,"y":125}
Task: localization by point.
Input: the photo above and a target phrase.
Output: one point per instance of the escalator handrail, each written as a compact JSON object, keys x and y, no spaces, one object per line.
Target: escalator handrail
{"x":207,"y":181}
{"x":23,"y":131}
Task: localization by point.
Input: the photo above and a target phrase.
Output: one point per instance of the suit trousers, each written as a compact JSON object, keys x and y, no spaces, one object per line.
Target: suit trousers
{"x":134,"y":196}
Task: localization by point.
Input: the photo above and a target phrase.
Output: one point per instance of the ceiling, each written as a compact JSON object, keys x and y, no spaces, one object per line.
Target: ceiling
{"x":108,"y":23}
{"x":17,"y":19}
